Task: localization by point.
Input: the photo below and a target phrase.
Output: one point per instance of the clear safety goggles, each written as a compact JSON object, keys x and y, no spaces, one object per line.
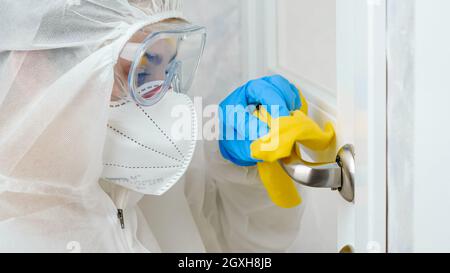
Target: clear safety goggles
{"x":166,"y":59}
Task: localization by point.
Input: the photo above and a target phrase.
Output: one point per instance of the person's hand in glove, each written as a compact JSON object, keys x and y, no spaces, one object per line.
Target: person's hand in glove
{"x":240,"y":128}
{"x":263,"y":134}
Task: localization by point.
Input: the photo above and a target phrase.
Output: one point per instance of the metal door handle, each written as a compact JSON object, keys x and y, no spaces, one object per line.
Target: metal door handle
{"x":337,"y":175}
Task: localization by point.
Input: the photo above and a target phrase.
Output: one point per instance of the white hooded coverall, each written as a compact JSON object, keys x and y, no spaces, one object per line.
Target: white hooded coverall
{"x":57,"y":62}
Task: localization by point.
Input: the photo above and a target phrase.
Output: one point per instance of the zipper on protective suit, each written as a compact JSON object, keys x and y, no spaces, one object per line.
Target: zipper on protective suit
{"x":121,"y":202}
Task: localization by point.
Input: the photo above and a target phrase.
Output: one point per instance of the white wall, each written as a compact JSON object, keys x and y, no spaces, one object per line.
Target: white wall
{"x":419,"y":182}
{"x":431,"y":131}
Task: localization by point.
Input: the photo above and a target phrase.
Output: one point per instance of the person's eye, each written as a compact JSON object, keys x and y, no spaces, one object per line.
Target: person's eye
{"x":153,"y":58}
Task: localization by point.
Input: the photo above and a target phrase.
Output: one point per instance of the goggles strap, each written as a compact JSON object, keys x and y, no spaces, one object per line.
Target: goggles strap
{"x":129,"y":51}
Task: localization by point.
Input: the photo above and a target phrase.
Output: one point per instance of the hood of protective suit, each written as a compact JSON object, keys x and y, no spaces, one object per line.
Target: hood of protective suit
{"x":57,"y":62}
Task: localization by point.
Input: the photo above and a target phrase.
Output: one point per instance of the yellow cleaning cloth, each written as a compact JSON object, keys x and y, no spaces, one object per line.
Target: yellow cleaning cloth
{"x":279,"y":143}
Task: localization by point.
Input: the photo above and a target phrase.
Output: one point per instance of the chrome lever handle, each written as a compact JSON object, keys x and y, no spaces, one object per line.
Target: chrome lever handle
{"x":327,"y":175}
{"x":337,"y":175}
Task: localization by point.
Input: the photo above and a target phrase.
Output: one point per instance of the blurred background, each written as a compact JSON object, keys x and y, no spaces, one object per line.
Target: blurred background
{"x":221,"y":68}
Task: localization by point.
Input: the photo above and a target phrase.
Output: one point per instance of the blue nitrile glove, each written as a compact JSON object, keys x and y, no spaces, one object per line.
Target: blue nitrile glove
{"x":239,"y":127}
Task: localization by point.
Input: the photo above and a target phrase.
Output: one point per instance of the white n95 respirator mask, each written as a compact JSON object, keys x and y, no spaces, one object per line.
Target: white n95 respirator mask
{"x":148,"y":149}
{"x":152,"y":126}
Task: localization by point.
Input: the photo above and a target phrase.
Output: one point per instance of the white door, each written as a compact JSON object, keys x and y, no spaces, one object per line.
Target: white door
{"x":335,"y":51}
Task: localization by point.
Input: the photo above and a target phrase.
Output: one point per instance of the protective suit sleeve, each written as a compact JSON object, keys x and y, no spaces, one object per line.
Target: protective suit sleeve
{"x":238,"y":209}
{"x":239,"y":204}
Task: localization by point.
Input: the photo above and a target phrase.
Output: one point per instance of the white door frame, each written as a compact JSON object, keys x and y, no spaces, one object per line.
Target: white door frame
{"x":359,"y":109}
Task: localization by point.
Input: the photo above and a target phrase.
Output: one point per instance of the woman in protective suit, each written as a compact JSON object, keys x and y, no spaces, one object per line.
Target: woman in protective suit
{"x":89,"y":94}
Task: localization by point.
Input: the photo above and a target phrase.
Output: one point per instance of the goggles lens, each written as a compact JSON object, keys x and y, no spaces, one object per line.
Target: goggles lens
{"x":165,"y":60}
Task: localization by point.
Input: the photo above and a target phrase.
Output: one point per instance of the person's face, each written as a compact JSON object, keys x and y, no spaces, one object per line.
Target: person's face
{"x":152,"y":67}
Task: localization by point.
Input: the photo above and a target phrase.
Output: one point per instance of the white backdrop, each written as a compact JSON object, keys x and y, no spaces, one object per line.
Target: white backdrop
{"x":220,"y":71}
